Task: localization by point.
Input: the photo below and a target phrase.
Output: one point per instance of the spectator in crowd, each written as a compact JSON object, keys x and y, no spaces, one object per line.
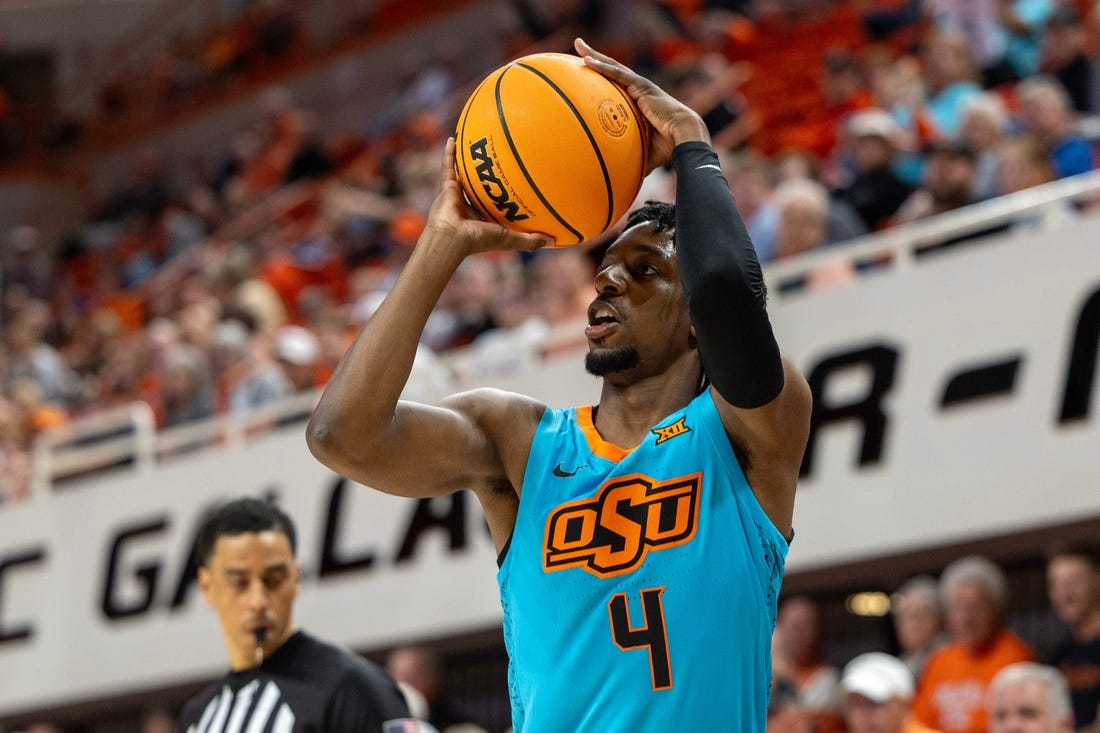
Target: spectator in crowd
{"x":1073,"y":587}
{"x":951,"y":694}
{"x":298,"y":351}
{"x":158,"y":720}
{"x":803,"y":207}
{"x":948,"y":182}
{"x":15,"y":468}
{"x":1021,"y":164}
{"x":1003,"y":33}
{"x":1029,"y":698}
{"x":786,"y":713}
{"x":844,"y":92}
{"x":802,"y":637}
{"x":1047,"y":114}
{"x":30,"y":356}
{"x":751,"y":183}
{"x":984,"y":125}
{"x":188,"y":385}
{"x":248,"y":376}
{"x":878,"y":689}
{"x":420,"y":668}
{"x":951,"y":78}
{"x":1066,"y":58}
{"x":917,"y":612}
{"x":248,"y":573}
{"x":875,"y":191}
{"x":560,"y":285}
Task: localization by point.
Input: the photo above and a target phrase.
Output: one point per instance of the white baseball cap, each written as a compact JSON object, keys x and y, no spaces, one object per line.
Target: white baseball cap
{"x":879,"y":677}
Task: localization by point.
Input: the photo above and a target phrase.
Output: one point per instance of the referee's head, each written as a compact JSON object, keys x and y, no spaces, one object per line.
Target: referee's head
{"x":249,"y":575}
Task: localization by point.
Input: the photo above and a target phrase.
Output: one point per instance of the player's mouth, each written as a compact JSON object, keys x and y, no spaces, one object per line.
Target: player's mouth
{"x":602,"y":321}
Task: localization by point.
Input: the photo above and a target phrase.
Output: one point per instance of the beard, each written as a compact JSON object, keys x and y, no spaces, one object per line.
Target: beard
{"x":608,"y":361}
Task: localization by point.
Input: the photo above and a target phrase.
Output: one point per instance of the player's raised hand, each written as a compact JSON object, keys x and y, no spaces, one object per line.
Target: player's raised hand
{"x":452,"y":216}
{"x":672,"y":121}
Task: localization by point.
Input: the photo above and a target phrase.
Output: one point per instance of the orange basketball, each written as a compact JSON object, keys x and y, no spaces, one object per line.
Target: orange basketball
{"x":545,"y":144}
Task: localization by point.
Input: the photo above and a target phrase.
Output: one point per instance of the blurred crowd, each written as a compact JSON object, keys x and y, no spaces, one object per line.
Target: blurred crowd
{"x":215,"y":286}
{"x":959,"y":668}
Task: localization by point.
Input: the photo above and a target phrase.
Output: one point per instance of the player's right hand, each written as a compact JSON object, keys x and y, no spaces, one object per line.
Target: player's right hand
{"x":452,"y":217}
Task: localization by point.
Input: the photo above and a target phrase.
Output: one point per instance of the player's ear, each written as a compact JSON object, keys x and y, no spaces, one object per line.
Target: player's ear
{"x":693,"y":341}
{"x":205,"y":583}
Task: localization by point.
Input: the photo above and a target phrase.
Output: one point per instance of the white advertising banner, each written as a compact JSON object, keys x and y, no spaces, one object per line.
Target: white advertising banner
{"x":953,"y":400}
{"x":97,"y":598}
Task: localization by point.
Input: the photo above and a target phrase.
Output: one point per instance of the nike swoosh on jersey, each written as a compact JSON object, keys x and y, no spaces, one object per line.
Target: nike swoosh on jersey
{"x":562,"y":473}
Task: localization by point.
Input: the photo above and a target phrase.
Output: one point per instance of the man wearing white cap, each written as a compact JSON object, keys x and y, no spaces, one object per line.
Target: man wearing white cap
{"x":877,"y":691}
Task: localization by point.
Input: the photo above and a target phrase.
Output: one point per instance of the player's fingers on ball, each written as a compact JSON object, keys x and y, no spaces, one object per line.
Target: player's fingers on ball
{"x":447,"y":171}
{"x":607,"y":65}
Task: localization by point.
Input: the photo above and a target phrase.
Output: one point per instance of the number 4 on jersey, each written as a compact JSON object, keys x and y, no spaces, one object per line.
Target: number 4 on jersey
{"x":651,"y":634}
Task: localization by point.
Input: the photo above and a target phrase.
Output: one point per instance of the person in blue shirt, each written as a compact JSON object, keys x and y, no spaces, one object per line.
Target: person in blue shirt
{"x":642,"y":539}
{"x":1047,"y":113}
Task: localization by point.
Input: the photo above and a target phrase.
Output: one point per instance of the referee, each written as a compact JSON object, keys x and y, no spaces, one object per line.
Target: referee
{"x":280,"y":679}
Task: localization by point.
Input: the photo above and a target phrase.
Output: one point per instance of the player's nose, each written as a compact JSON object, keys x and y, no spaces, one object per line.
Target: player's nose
{"x":610,"y":280}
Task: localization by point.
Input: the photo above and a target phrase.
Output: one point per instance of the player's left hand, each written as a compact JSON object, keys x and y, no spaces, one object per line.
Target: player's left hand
{"x":671,"y":121}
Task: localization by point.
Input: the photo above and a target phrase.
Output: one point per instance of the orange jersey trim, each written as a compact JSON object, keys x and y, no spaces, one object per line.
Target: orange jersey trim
{"x":596,"y":443}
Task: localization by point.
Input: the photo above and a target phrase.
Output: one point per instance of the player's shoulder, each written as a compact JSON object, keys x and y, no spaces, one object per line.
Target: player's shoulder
{"x":491,"y":406}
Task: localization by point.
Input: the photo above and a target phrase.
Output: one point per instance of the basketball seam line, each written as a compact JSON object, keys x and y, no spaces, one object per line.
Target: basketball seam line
{"x":523,"y":168}
{"x":591,"y":140}
{"x":475,"y":199}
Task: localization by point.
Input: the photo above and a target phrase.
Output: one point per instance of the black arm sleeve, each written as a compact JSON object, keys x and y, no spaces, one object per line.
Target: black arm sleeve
{"x":723,"y":282}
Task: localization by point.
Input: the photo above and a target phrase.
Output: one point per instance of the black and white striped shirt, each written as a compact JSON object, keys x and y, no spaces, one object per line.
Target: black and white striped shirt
{"x":305,"y":686}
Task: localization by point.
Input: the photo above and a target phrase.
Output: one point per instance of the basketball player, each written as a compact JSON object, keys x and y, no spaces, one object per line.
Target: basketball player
{"x":281,"y":679}
{"x":642,"y":540}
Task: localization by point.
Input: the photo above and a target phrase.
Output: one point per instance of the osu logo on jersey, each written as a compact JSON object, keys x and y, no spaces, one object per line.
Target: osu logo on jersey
{"x":610,"y":533}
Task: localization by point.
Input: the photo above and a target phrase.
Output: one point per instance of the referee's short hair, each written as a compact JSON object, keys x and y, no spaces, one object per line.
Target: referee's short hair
{"x":241,"y":516}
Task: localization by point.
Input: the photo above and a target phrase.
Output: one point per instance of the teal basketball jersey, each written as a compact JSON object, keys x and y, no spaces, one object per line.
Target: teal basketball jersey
{"x":639,"y":587}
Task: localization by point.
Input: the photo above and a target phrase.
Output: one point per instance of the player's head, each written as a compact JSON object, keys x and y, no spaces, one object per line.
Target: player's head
{"x":1029,"y":698}
{"x":639,"y":322}
{"x":248,"y":574}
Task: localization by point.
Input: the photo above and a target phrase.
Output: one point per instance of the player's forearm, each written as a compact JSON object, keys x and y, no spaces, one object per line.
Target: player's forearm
{"x":360,"y":400}
{"x":724,"y":283}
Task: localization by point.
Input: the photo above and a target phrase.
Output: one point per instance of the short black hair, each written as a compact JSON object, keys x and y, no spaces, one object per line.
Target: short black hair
{"x":659,"y":213}
{"x":241,"y":516}
{"x":1066,"y":548}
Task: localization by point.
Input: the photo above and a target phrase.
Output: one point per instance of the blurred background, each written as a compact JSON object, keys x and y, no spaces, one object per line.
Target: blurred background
{"x":202,"y":200}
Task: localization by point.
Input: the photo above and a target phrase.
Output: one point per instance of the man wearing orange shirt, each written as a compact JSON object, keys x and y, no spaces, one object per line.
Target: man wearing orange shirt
{"x":952,"y":693}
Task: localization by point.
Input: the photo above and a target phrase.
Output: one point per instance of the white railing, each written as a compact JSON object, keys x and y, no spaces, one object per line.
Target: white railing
{"x":900,"y":245}
{"x":127,"y":436}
